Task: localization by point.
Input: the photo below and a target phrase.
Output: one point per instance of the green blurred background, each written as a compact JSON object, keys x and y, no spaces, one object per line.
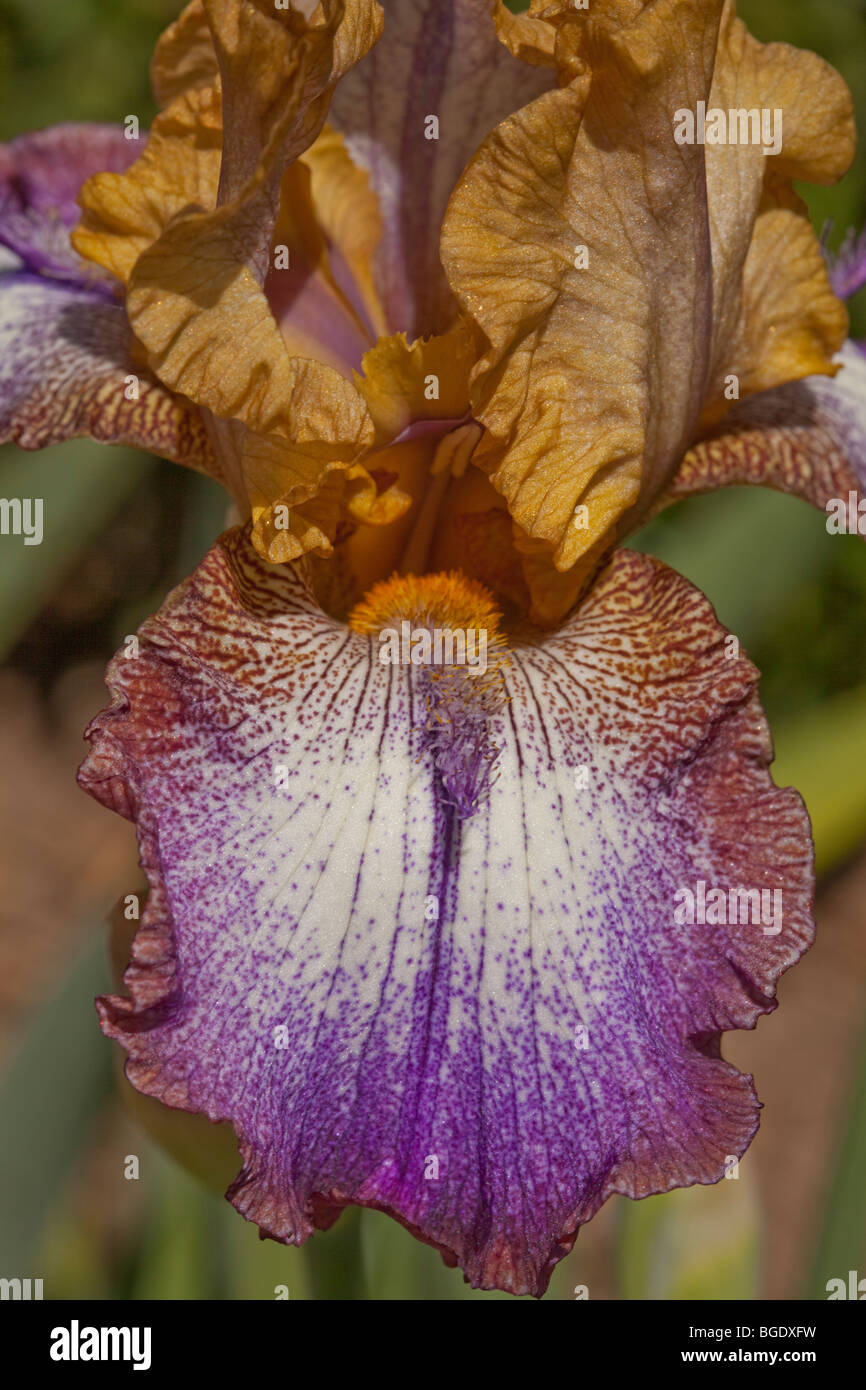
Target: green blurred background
{"x":122,"y":530}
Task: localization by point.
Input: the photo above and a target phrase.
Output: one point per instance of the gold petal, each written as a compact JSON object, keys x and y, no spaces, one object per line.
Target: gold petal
{"x":304,"y":518}
{"x":184,"y":56}
{"x":286,"y":533}
{"x":427,"y":379}
{"x":580,"y":358}
{"x":554,"y":592}
{"x":553,"y":33}
{"x":123,"y":214}
{"x":817,"y":144}
{"x":790,"y":322}
{"x":278,"y":73}
{"x":526,"y":35}
{"x":195,"y":297}
{"x":588,"y":387}
{"x":210,"y":335}
{"x":366,"y":503}
{"x":348,"y":213}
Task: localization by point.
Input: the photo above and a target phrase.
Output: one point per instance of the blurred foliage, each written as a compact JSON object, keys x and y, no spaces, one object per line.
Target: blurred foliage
{"x":131,"y":528}
{"x":842,"y":1241}
{"x":82,"y":60}
{"x":86,"y":486}
{"x":50,"y":1098}
{"x":693,"y":1243}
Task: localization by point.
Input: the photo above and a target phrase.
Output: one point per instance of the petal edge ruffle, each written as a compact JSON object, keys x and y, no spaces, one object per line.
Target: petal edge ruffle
{"x":302,"y":905}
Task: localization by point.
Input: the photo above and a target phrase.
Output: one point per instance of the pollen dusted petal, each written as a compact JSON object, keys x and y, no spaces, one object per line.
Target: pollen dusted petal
{"x":596,"y":370}
{"x":483,"y":1027}
{"x":433,"y":60}
{"x":806,"y":438}
{"x":40,"y":176}
{"x":67,"y":368}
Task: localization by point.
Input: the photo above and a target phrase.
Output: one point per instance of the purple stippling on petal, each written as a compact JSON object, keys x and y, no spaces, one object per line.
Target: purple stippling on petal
{"x":41,"y":174}
{"x":483,"y":1027}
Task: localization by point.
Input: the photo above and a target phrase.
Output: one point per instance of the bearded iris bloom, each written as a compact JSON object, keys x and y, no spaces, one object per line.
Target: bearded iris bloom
{"x":450,"y":313}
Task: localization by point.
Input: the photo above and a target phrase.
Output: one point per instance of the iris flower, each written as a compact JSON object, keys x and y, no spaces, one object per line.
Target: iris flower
{"x":450,"y":312}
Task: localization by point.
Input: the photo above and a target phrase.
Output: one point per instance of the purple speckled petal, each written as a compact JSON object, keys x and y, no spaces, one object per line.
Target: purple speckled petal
{"x":807,"y":437}
{"x":434,"y":59}
{"x":40,"y":175}
{"x":66,"y":369}
{"x":483,"y":1025}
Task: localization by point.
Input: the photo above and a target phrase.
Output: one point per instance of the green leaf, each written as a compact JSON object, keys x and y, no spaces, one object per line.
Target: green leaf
{"x":744,"y":548}
{"x":842,"y":1243}
{"x":258,"y":1269}
{"x":694,"y":1243}
{"x":82,"y":485}
{"x":50,"y":1097}
{"x":182,"y":1256}
{"x":820,"y":753}
{"x":400,"y":1267}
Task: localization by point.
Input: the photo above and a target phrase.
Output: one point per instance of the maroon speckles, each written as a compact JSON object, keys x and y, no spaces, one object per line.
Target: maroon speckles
{"x":363,"y":981}
{"x":807,"y":437}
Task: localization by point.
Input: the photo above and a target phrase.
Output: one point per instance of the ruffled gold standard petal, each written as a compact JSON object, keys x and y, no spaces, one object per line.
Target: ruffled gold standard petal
{"x":578,"y":242}
{"x":124,"y":214}
{"x":196,"y":294}
{"x":278,"y":74}
{"x":775,"y":317}
{"x":589,"y":383}
{"x":184,"y":56}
